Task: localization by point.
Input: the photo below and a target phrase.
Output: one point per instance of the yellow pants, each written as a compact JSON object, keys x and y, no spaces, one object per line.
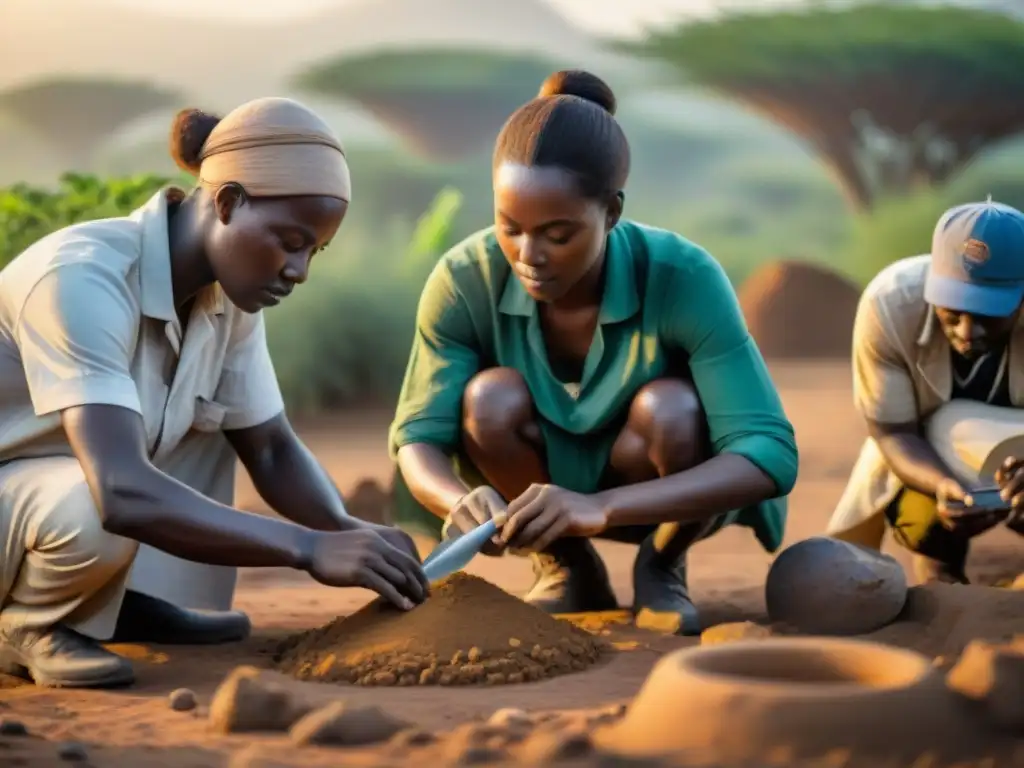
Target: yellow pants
{"x":913,"y":518}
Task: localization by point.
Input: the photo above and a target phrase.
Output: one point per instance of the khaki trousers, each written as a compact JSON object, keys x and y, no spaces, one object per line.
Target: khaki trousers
{"x":972,"y":438}
{"x":59,"y":565}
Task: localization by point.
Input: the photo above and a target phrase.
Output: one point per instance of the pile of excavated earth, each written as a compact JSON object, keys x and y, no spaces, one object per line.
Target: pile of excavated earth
{"x":468,"y":632}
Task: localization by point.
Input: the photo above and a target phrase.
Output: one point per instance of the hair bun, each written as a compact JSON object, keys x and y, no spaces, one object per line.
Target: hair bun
{"x":189,"y":132}
{"x":583,"y":85}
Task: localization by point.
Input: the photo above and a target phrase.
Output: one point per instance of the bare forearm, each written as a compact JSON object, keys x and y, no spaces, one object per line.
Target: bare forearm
{"x":155,"y":509}
{"x":431,"y":478}
{"x":289,"y":478}
{"x":294,"y":484}
{"x":721,"y":484}
{"x":138,"y":501}
{"x":913,"y":460}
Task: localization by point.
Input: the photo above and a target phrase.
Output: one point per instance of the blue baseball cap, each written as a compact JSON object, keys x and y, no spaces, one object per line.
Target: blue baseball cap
{"x":978,"y":260}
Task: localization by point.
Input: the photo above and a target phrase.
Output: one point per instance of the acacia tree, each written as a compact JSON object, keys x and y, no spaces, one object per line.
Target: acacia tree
{"x":891,"y":97}
{"x":76,"y":115}
{"x":445,"y":104}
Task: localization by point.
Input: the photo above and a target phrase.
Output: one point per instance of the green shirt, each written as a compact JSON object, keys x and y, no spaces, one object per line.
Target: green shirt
{"x":666,"y":300}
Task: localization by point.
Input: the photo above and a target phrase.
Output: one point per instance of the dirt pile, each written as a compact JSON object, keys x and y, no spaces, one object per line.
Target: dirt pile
{"x":798,"y":311}
{"x":469,"y":631}
{"x":941,"y":620}
{"x":369,"y":501}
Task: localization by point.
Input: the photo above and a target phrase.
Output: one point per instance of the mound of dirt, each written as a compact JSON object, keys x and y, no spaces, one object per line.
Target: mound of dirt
{"x":369,"y":501}
{"x":940,"y":620}
{"x":797,"y":310}
{"x":469,"y":631}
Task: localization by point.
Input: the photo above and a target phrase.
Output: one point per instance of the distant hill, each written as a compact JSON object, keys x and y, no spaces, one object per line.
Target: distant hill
{"x":217,"y":65}
{"x":225,"y":63}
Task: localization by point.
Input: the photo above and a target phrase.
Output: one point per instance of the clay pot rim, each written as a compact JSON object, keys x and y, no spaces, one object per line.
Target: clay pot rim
{"x":895,"y":668}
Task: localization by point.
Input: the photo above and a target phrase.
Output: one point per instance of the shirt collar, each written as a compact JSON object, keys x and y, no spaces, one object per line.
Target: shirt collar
{"x":155,"y":263}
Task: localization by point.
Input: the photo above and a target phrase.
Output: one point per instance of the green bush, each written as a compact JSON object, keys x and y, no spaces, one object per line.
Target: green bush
{"x":901,"y":226}
{"x":898,"y":227}
{"x":344,"y":338}
{"x":29,"y":213}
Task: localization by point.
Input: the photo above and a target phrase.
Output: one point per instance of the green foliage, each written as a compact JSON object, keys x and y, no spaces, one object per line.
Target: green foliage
{"x":844,"y":44}
{"x":29,"y":213}
{"x":344,"y":339}
{"x":407,"y":71}
{"x":901,"y":226}
{"x":434,"y":231}
{"x":897,"y":227}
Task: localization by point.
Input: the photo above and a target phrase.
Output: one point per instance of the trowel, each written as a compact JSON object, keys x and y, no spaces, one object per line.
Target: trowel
{"x":454,"y":555}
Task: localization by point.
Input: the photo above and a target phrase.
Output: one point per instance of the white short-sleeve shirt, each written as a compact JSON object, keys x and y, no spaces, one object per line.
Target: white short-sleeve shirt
{"x":902,"y":366}
{"x":87,"y":316}
{"x":902,"y":373}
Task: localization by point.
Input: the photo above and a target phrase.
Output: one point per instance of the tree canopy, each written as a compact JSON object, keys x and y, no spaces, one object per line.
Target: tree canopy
{"x":445,"y":103}
{"x":891,"y":96}
{"x":77,"y":114}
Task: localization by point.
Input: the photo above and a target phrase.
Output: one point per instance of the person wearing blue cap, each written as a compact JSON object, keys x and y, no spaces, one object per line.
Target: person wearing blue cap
{"x":938,"y":359}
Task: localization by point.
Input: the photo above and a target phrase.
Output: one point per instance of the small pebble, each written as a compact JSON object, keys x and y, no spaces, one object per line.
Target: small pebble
{"x":515,"y":642}
{"x":510,"y":717}
{"x":342,"y":724}
{"x":615,"y":710}
{"x":72,"y":752}
{"x":182,"y":700}
{"x":10,"y":727}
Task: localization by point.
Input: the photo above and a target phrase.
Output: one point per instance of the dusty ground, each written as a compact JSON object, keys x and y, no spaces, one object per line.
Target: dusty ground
{"x":137,"y":728}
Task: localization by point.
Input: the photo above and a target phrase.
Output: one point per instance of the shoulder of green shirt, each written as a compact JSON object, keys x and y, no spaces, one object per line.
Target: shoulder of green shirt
{"x":664,"y":249}
{"x":473,"y":252}
{"x":681,"y":275}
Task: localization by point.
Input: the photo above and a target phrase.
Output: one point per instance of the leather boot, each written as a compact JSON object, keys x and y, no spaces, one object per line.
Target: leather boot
{"x":145,"y":619}
{"x":571,"y":578}
{"x":61,"y":658}
{"x":661,"y":598}
{"x":929,"y":571}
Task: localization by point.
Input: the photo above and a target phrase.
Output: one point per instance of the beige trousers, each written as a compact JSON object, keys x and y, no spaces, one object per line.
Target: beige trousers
{"x":59,"y":565}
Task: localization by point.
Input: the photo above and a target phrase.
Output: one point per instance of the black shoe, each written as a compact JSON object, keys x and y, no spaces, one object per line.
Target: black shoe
{"x":145,"y":619}
{"x":61,"y":658}
{"x":571,"y":578}
{"x":929,"y":571}
{"x":661,"y":599}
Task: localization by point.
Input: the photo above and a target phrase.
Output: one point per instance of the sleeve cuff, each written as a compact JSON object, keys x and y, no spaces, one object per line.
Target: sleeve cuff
{"x":776,"y":457}
{"x":253,"y":417}
{"x":890,"y":416}
{"x":440,"y":432}
{"x":87,"y":390}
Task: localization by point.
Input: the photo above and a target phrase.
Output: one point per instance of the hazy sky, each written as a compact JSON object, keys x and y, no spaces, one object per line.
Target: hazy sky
{"x":605,"y":16}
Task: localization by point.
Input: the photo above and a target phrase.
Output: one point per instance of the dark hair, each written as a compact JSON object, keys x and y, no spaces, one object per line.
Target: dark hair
{"x":189,"y":132}
{"x":570,"y":125}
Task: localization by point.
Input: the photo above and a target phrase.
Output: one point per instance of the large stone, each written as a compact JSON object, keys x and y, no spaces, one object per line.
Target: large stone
{"x":829,"y":587}
{"x":344,"y":725}
{"x":247,"y":702}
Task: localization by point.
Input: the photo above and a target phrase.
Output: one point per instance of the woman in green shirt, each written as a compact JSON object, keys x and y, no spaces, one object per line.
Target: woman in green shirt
{"x":575,"y":374}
